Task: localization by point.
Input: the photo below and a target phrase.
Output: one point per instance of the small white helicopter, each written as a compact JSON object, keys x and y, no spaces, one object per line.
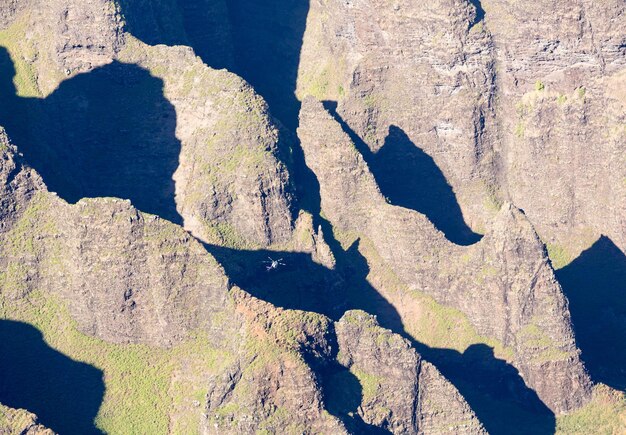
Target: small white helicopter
{"x":273,"y":264}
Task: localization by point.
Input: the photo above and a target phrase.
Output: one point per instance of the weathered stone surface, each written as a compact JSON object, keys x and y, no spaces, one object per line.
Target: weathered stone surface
{"x":401,"y":392}
{"x":271,"y":387}
{"x":203,"y":136}
{"x":10,"y":9}
{"x":511,"y":102}
{"x":509,"y":107}
{"x":423,"y":68}
{"x":504,"y":283}
{"x":127,"y":277}
{"x":20,"y":422}
{"x":17,"y":184}
{"x":561,"y":116}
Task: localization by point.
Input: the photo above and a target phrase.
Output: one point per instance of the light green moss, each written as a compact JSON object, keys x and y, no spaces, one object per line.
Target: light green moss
{"x":21,"y":51}
{"x":605,"y":414}
{"x":369,"y":383}
{"x":32,"y":224}
{"x":477,"y":28}
{"x":435,"y":325}
{"x":543,"y":346}
{"x":486,"y":271}
{"x":492,"y":201}
{"x":13,"y":279}
{"x":225,"y":234}
{"x":138,"y":378}
{"x":265,"y":353}
{"x":559,"y":256}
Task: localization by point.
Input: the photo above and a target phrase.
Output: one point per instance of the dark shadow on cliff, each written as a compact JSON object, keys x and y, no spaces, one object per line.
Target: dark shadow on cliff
{"x":259,"y":40}
{"x":595,"y":285}
{"x":65,"y":394}
{"x":267,"y":37}
{"x":410,"y":178}
{"x":302,"y":284}
{"x":201,"y":24}
{"x":106,"y":133}
{"x":342,"y":395}
{"x":480,"y":12}
{"x":299,"y":284}
{"x":492,"y":387}
{"x":267,"y":41}
{"x":341,"y":389}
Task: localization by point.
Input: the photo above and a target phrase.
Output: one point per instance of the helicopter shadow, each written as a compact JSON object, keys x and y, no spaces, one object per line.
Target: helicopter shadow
{"x":493,"y":388}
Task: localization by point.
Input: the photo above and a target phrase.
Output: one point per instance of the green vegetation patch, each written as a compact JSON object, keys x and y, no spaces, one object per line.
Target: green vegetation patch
{"x":224,"y":234}
{"x":559,"y":256}
{"x":141,"y":393}
{"x":323,"y":78}
{"x":533,"y":337}
{"x":428,"y":322}
{"x":370,"y":383}
{"x":21,"y":51}
{"x":605,"y":414}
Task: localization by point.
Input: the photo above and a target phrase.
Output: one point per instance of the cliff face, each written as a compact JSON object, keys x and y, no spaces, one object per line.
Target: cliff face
{"x":365,"y":377}
{"x":504,"y":283}
{"x":401,"y":392}
{"x":271,"y":386}
{"x":202,"y":137}
{"x":560,"y":113}
{"x":504,"y":97}
{"x":126,"y":277}
{"x":19,"y":421}
{"x":427,"y":70}
{"x":181,"y":253}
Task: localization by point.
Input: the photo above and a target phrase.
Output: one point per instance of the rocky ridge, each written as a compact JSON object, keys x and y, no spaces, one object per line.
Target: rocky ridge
{"x":509,"y":263}
{"x":209,"y":169}
{"x":19,"y":421}
{"x":505,"y":98}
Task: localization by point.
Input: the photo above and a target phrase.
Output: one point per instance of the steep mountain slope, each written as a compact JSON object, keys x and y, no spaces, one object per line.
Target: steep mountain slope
{"x":507,"y":270}
{"x":313,"y":217}
{"x":20,"y":421}
{"x":507,"y":99}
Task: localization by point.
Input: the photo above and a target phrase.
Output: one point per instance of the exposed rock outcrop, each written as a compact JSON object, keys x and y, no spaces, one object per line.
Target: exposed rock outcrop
{"x":427,"y":69}
{"x":561,"y":116}
{"x":358,"y":364}
{"x":452,"y":141}
{"x":401,"y":392}
{"x":20,"y":422}
{"x":504,"y":283}
{"x":511,"y":103}
{"x":271,"y":387}
{"x":126,"y":276}
{"x":203,"y":137}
